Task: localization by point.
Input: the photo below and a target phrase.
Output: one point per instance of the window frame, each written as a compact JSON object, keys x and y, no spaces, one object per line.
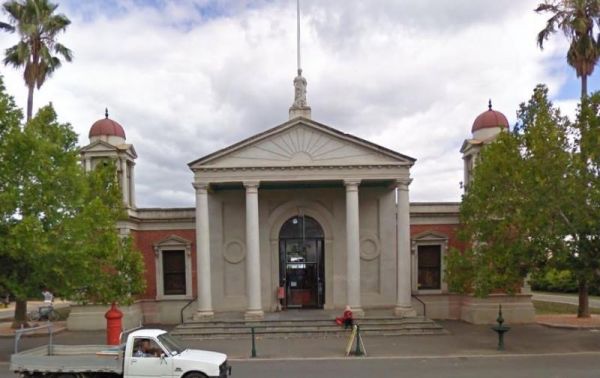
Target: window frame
{"x":173,"y":243}
{"x":429,"y":238}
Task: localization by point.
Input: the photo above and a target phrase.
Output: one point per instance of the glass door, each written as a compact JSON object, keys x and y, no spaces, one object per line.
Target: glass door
{"x":301,"y":266}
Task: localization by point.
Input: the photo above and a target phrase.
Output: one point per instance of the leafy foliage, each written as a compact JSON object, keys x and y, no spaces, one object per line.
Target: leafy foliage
{"x":534,"y":202}
{"x":578,"y":20}
{"x":58,"y":225}
{"x":108,"y":267}
{"x":37,"y":51}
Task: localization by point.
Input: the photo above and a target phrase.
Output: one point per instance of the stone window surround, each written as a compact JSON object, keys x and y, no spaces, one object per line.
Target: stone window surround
{"x":173,"y":243}
{"x":428,"y":238}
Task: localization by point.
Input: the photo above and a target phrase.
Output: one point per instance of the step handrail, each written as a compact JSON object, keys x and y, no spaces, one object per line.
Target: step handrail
{"x":185,"y":307}
{"x":423,"y":303}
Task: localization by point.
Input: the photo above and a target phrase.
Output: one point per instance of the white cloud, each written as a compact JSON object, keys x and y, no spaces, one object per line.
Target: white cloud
{"x":191,"y":77}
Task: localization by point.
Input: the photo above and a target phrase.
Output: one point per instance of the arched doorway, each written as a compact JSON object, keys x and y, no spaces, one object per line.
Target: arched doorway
{"x":302,"y":263}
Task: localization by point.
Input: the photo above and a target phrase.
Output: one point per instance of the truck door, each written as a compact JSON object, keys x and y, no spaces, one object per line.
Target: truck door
{"x":145,"y":360}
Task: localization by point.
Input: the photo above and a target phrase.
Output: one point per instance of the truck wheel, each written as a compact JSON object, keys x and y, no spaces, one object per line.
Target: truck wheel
{"x":195,"y":375}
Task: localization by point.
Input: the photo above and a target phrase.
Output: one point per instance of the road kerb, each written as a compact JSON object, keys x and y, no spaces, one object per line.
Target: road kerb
{"x":423,"y":357}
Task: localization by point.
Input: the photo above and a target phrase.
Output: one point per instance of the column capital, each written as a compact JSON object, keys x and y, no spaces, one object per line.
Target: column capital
{"x":201,"y":187}
{"x":251,"y":185}
{"x":402,"y":184}
{"x":352,"y":184}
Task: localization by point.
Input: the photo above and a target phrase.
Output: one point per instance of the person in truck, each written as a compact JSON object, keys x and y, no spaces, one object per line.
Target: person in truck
{"x":144,"y":349}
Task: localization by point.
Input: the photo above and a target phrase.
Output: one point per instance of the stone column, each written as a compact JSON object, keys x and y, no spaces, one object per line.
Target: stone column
{"x":132,"y":185}
{"x":253,"y":278}
{"x":403,"y":302}
{"x":88,"y":164}
{"x":205,"y":309}
{"x":353,"y":247}
{"x":124,"y":182}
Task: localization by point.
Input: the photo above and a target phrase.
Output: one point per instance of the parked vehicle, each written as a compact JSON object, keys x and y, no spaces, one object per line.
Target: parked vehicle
{"x":147,"y":353}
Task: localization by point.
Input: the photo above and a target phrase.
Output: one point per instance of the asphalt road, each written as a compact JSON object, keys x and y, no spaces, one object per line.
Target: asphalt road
{"x":527,"y":366}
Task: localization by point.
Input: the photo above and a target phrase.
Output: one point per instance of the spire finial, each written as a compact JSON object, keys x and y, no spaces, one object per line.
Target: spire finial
{"x":106,"y":112}
{"x":490,"y":104}
{"x":300,"y":106}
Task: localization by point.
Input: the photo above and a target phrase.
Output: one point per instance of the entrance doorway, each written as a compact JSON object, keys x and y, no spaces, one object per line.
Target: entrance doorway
{"x":301,"y":263}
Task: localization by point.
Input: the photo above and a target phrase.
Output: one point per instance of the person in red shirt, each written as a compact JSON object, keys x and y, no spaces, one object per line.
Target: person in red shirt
{"x":346,"y":318}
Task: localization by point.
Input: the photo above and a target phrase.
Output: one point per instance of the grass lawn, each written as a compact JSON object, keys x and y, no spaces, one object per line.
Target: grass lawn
{"x":563,"y":294}
{"x":547,"y":308}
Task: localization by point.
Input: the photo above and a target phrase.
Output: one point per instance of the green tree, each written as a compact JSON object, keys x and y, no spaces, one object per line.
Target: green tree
{"x":37,"y":51}
{"x":534,"y":202}
{"x":58,"y":225}
{"x":41,"y":180}
{"x":106,"y":264}
{"x":578,"y":20}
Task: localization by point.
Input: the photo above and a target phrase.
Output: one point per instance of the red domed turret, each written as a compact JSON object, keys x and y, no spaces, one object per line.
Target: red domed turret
{"x":107,"y":127}
{"x":490,"y":119}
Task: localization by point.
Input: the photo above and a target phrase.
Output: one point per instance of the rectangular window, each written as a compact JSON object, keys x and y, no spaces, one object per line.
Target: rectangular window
{"x":430,"y":266}
{"x":174,"y":272}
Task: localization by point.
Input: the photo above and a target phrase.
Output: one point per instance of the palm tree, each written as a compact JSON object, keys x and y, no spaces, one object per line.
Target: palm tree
{"x":577,"y":19}
{"x":37,"y":26}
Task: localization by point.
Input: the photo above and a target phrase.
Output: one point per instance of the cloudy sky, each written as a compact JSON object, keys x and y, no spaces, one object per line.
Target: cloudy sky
{"x":189,"y":77}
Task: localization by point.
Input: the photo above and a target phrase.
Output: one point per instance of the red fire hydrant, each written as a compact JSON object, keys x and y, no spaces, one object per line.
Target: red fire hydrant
{"x":114,"y":325}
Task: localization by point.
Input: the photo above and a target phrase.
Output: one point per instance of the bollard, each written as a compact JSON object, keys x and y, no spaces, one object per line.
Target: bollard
{"x":358,"y":351}
{"x":253,"y":355}
{"x":500,"y":329}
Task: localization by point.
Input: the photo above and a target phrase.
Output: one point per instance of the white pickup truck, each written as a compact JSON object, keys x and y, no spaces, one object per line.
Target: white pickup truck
{"x":147,"y":353}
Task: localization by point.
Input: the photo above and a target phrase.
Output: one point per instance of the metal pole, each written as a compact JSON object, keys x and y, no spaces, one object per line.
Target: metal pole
{"x":50,"y":342}
{"x":253,"y":344}
{"x":298,"y":33}
{"x":358,"y":351}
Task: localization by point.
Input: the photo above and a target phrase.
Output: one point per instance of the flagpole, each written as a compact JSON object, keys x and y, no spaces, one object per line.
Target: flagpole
{"x":298,"y":33}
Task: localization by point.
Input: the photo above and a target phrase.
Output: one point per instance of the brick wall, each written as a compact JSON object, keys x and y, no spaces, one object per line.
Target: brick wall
{"x":145,"y":240}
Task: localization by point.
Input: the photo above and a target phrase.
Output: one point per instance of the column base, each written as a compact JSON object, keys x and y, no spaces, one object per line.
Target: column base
{"x":404,"y":311}
{"x":254,"y":315}
{"x":203,"y":315}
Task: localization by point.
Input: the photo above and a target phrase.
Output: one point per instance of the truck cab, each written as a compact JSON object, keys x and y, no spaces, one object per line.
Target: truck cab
{"x":154,"y":353}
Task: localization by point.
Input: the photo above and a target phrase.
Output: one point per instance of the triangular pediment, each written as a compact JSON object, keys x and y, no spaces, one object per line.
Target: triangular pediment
{"x":172,"y":241}
{"x":101,"y":146}
{"x":303,"y":143}
{"x":430,"y":236}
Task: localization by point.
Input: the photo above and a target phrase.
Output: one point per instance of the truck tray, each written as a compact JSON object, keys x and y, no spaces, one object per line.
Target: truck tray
{"x":69,"y":358}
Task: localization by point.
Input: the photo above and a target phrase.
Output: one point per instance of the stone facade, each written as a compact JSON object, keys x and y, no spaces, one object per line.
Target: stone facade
{"x":376,"y":250}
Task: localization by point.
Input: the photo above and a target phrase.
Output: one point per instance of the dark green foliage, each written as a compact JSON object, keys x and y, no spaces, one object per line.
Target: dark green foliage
{"x":578,"y":21}
{"x":37,"y":51}
{"x":534,"y":203}
{"x":58,"y":225}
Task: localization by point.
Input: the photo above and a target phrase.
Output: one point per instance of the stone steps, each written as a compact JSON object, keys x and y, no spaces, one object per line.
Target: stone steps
{"x":233,"y":329}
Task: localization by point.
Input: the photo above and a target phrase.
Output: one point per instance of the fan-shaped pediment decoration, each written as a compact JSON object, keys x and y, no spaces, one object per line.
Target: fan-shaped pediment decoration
{"x":302,"y":143}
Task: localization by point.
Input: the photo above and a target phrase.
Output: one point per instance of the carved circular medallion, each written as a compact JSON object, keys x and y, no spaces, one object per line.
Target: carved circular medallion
{"x":234,"y":251}
{"x":369,"y":248}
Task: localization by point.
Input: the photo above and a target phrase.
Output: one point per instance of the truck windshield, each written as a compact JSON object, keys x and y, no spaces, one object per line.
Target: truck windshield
{"x":170,"y":343}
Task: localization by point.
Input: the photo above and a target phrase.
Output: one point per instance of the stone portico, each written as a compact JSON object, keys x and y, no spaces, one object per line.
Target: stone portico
{"x":355,"y":190}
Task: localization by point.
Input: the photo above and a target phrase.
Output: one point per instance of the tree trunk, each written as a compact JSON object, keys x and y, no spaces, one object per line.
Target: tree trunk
{"x":20,"y":314}
{"x":584,"y":86}
{"x":583,"y":310}
{"x":29,"y":102}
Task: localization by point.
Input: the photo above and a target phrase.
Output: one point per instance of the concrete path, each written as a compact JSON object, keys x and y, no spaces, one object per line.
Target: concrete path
{"x":563,"y":298}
